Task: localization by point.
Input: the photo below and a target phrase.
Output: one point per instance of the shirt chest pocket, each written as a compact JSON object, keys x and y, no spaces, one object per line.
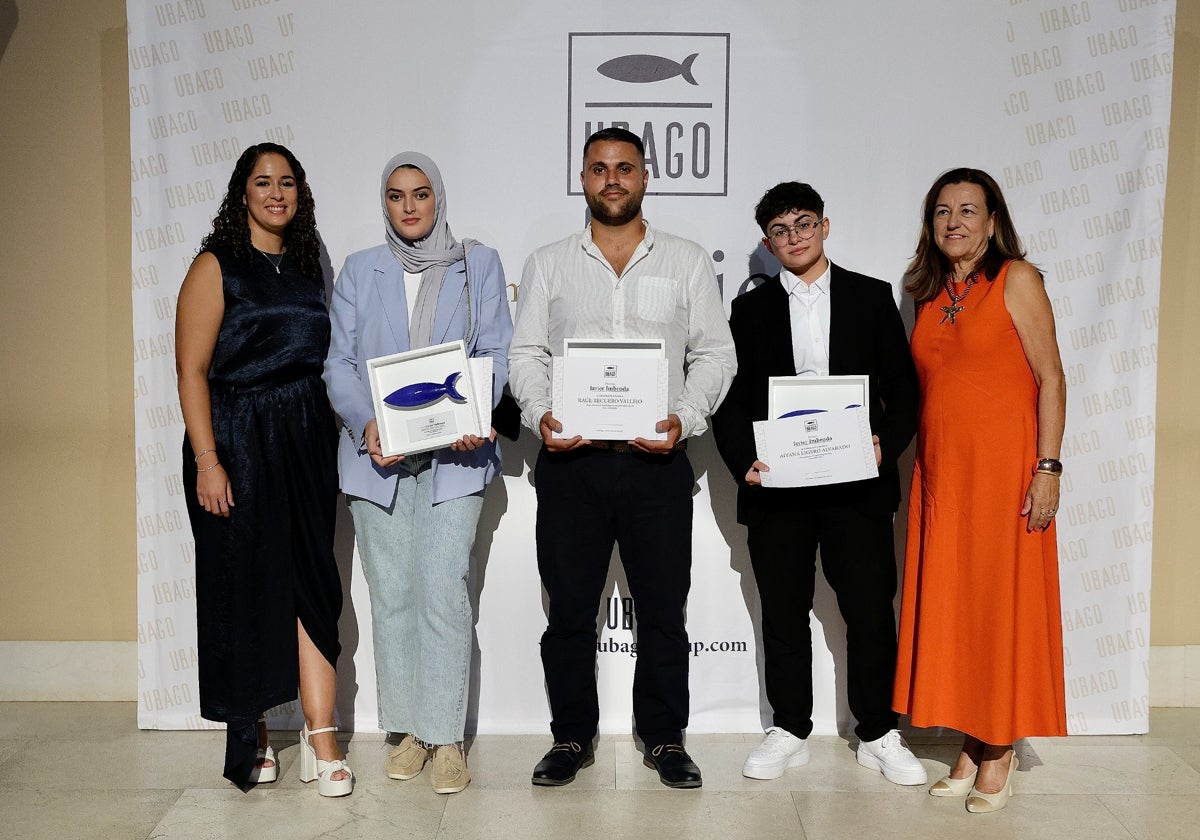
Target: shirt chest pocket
{"x":656,"y":299}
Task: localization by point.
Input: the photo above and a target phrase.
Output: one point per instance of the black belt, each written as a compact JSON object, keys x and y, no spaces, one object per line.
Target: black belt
{"x":622,"y":446}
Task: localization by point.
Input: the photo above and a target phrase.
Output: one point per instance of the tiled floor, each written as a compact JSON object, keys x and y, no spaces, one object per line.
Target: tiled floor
{"x":83,"y":770}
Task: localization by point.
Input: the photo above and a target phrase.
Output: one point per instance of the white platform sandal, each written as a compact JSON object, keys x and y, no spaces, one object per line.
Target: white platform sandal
{"x":261,"y":774}
{"x":313,"y":768}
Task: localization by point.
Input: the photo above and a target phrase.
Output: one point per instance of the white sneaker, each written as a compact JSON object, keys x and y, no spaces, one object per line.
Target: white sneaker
{"x":891,"y":756}
{"x":778,"y":751}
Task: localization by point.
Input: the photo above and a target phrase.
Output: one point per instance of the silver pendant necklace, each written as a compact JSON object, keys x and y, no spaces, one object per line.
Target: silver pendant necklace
{"x":276,"y":260}
{"x":954,"y":308}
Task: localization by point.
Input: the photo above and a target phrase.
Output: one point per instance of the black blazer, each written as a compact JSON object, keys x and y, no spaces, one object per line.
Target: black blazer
{"x":866,"y":335}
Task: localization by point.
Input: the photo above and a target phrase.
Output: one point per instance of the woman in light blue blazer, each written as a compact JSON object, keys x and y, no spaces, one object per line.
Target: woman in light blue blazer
{"x":415,"y":516}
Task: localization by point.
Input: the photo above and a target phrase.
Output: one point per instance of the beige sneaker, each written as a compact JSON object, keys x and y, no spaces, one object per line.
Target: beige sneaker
{"x":406,"y":761}
{"x":450,"y":773}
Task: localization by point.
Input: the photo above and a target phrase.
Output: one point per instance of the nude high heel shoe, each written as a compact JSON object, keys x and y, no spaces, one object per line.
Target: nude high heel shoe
{"x":986,"y":803}
{"x":952,"y":787}
{"x":313,"y":768}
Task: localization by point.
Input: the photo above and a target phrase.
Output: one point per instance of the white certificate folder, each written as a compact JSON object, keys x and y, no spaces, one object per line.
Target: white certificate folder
{"x":610,"y":389}
{"x":797,"y":395}
{"x":818,"y":431}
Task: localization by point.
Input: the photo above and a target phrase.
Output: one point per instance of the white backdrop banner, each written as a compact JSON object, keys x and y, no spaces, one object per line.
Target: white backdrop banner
{"x":1066,"y":104}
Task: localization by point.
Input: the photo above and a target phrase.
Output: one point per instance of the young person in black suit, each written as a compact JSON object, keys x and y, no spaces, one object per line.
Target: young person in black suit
{"x":817,"y":319}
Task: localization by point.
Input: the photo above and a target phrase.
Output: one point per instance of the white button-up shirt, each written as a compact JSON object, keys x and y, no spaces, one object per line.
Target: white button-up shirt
{"x":808,"y":306}
{"x":668,"y":290}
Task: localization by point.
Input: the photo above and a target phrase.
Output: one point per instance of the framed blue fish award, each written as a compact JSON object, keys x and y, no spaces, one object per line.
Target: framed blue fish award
{"x":428,"y":398}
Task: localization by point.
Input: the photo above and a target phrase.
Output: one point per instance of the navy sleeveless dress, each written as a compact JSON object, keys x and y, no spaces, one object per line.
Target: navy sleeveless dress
{"x":272,"y":560}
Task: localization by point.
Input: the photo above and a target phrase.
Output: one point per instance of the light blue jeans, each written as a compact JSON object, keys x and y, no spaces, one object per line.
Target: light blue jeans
{"x":416,"y":559}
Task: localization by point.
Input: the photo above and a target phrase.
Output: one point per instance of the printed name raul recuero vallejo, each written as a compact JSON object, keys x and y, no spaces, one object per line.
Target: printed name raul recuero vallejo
{"x":610,"y":395}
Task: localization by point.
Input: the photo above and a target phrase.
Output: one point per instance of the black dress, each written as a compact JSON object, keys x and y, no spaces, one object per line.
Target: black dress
{"x":272,"y":560}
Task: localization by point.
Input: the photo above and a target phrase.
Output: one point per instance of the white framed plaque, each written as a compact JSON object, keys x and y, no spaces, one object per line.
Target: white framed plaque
{"x":428,"y":398}
{"x":795,"y":396}
{"x":610,"y":389}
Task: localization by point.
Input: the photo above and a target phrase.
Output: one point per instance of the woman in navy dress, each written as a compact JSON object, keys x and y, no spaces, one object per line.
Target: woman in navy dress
{"x":260,"y":470}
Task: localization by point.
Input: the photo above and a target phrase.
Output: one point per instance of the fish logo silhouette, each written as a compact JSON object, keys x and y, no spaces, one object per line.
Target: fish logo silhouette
{"x":422,"y":394}
{"x":643,"y":68}
{"x":669,"y":88}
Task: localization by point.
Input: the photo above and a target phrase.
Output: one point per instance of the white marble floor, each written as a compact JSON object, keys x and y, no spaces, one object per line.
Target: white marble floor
{"x":83,"y":770}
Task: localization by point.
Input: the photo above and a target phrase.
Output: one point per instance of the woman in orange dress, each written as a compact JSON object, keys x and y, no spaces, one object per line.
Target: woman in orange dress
{"x":980,"y":634}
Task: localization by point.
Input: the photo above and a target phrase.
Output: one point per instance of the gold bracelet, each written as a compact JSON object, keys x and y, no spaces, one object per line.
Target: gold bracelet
{"x":1049,"y":466}
{"x":213,"y":467}
{"x":202,"y":454}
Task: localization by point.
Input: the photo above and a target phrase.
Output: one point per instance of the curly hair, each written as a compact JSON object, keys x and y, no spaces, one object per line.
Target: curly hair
{"x":929,"y":267}
{"x":788,"y":197}
{"x":231,"y":225}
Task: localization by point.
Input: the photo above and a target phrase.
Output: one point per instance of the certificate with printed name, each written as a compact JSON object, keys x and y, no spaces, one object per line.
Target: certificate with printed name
{"x":610,"y":389}
{"x":825,"y":447}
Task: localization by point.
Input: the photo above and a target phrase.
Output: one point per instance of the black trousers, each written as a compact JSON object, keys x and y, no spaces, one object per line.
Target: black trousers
{"x":588,"y":500}
{"x":859,"y":562}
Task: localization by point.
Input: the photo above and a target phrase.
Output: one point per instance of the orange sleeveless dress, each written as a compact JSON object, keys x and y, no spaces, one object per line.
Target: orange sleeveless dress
{"x":980,"y":647}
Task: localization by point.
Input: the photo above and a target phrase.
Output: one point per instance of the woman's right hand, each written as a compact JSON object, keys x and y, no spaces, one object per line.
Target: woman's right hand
{"x":214,"y":491}
{"x":375,"y":449}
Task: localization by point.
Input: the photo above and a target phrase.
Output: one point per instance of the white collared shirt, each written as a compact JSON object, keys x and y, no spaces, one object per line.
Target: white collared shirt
{"x":412,"y":285}
{"x":808,"y":307}
{"x":668,"y":290}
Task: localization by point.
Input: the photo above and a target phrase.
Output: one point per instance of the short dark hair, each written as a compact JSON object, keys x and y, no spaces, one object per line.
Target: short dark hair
{"x":620,"y":135}
{"x":788,"y":197}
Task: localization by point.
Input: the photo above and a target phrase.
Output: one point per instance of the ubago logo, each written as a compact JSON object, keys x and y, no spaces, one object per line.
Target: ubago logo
{"x":671,"y":89}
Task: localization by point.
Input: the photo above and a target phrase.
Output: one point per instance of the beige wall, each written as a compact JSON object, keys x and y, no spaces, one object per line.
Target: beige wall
{"x":67,"y":546}
{"x":1174,"y":618}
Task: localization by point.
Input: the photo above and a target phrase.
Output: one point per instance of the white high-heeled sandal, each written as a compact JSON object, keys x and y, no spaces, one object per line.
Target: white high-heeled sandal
{"x":262,"y":775}
{"x":313,"y":768}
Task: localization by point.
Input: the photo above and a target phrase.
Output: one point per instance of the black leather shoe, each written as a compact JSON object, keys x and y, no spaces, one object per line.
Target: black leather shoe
{"x":675,"y":767}
{"x":559,"y":766}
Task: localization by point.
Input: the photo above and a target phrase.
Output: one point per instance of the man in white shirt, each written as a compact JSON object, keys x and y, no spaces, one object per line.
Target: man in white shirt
{"x":618,"y":278}
{"x":818,"y":319}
